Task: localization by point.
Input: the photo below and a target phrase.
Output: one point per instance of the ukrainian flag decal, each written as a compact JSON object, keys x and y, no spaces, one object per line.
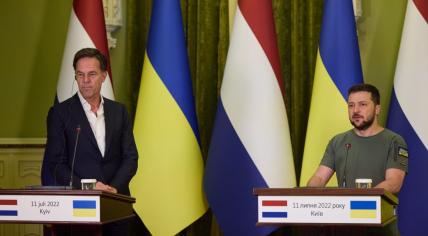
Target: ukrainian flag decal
{"x":363,"y":209}
{"x":84,"y":208}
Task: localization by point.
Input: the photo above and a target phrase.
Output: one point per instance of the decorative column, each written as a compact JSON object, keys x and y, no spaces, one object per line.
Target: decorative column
{"x":113,"y":19}
{"x":358,"y":10}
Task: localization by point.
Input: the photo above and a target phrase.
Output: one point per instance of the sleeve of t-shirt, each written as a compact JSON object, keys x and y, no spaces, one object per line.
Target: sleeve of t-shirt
{"x":328,"y":158}
{"x":398,"y":156}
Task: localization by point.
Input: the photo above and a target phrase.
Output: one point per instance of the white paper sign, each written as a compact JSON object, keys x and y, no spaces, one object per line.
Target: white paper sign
{"x":49,"y":208}
{"x":319,"y":209}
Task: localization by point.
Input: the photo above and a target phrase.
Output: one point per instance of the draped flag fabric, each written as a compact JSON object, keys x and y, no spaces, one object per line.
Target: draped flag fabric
{"x":338,"y":67}
{"x":86,"y":29}
{"x":250,"y":146}
{"x":408,"y":116}
{"x":168,"y":183}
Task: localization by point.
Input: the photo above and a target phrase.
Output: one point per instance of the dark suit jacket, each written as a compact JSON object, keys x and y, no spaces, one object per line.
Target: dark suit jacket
{"x":119,"y":163}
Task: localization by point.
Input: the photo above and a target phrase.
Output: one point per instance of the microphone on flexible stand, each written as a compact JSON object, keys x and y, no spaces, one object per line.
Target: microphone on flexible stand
{"x":74,"y":156}
{"x":348,"y":147}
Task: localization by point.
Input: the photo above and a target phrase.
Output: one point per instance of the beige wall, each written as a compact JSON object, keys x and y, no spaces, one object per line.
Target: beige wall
{"x":32,"y":41}
{"x":31,"y":45}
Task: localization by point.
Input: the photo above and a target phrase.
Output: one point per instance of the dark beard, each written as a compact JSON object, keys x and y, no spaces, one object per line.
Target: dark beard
{"x":364,"y":125}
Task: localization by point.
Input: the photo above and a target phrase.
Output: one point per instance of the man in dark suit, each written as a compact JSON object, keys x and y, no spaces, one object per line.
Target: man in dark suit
{"x":106,"y":149}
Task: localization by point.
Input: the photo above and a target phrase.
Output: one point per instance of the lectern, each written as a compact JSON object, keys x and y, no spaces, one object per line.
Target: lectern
{"x":85,"y":210}
{"x":325,"y":206}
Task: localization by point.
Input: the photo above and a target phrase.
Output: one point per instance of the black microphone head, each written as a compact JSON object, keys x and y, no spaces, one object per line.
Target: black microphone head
{"x":348,"y":146}
{"x":78,"y":128}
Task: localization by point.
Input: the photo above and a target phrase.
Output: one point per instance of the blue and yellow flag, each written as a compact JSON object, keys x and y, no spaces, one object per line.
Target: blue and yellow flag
{"x":363,"y":209}
{"x":168,"y":183}
{"x":338,"y":68}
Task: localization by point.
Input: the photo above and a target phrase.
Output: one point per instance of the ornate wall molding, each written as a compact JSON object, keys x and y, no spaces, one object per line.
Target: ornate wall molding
{"x":20,"y":164}
{"x":22,"y":142}
{"x":113,"y":19}
{"x":358,"y":10}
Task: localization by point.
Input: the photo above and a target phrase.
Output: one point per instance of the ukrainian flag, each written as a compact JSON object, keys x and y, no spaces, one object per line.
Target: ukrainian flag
{"x":168,"y":183}
{"x":84,"y":208}
{"x":338,"y":67}
{"x":363,"y":209}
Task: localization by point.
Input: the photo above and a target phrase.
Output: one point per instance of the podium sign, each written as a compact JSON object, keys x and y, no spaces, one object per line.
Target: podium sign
{"x":63,"y":206}
{"x":325,"y":206}
{"x":321,"y":209}
{"x":49,"y":208}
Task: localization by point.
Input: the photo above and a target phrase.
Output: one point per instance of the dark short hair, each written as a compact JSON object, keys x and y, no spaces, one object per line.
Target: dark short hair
{"x":92,"y":53}
{"x":366,"y":88}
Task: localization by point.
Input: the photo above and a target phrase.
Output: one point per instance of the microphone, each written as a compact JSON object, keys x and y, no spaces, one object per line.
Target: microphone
{"x":74,"y":156}
{"x":348,"y":147}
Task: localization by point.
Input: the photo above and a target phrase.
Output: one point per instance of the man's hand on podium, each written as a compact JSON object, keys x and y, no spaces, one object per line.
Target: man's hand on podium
{"x":104,"y":187}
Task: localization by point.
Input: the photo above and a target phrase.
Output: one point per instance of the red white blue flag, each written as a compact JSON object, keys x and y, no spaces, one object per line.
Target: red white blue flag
{"x":8,"y":207}
{"x":250,"y":147}
{"x":408,"y":116}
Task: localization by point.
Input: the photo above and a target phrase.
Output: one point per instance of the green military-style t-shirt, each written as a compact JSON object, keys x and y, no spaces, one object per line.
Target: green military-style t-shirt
{"x":366,"y":157}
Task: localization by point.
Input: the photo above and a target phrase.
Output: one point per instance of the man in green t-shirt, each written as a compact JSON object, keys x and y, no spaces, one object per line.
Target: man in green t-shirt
{"x":367,"y":151}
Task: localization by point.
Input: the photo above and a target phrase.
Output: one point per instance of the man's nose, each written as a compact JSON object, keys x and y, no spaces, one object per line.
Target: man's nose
{"x":356,"y":109}
{"x":86,"y":79}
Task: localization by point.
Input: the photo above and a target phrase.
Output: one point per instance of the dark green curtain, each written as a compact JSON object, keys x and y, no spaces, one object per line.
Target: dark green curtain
{"x":206,"y":28}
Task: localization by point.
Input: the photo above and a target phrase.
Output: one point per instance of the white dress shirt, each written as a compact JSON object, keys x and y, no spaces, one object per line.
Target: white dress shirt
{"x":96,"y":121}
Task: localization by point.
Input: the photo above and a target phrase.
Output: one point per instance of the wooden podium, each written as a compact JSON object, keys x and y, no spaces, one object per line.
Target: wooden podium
{"x":325,"y":206}
{"x":85,"y":210}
